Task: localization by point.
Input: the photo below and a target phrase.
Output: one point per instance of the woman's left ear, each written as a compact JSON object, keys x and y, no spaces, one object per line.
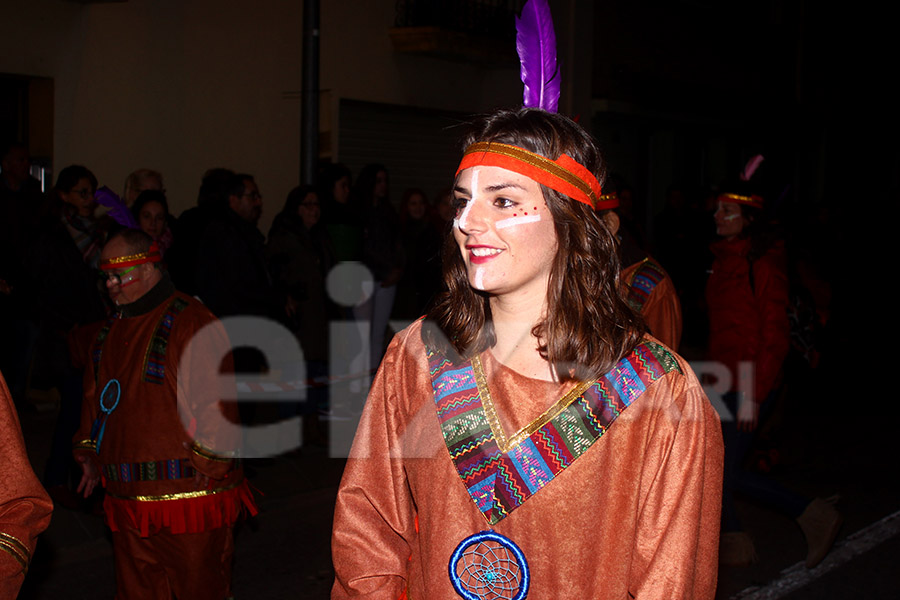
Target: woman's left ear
{"x":612,"y":221}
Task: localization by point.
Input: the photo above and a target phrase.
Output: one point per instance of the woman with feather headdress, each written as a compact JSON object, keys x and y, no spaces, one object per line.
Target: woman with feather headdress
{"x":526,"y":439}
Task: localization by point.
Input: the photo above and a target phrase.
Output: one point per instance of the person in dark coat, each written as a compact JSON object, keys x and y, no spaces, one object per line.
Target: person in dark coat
{"x":300,"y":254}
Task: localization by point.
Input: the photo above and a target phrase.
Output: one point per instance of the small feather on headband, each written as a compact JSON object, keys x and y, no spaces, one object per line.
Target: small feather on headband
{"x":751,"y":167}
{"x":536,"y":45}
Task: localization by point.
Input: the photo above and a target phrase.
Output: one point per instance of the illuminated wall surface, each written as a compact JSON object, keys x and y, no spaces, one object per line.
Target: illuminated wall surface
{"x":675,"y":91}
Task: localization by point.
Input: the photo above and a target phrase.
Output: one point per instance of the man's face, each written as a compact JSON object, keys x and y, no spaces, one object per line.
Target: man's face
{"x":248,"y":205}
{"x":127,"y":284}
{"x":15,"y":165}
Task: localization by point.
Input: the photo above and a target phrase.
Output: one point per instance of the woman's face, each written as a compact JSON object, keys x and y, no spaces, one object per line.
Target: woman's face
{"x":81,"y":196}
{"x":152,"y":219}
{"x":381,"y":185}
{"x":505,"y":232}
{"x":416,"y":207}
{"x":145,"y":183}
{"x":730,"y":221}
{"x":445,"y":207}
{"x":309,"y":210}
{"x":341,"y":191}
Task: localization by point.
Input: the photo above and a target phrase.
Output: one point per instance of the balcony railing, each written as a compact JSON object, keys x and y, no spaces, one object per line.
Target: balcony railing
{"x":480,"y":31}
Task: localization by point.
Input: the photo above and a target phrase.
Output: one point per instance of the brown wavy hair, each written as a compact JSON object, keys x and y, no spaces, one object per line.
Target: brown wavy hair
{"x":588,"y":326}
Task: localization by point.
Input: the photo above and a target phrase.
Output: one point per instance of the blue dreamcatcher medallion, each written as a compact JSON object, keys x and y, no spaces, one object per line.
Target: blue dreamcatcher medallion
{"x":109,"y":400}
{"x":489,"y":566}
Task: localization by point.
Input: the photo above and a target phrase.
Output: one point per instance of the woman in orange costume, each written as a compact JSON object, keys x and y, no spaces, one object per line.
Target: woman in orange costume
{"x":526,"y":439}
{"x":24,"y":505}
{"x":748,"y":296}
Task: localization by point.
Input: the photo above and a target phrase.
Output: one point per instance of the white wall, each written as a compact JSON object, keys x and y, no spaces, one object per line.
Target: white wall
{"x":184,"y":85}
{"x":177,"y":86}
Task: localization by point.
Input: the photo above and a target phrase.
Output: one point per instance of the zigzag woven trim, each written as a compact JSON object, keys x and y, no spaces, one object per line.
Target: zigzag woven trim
{"x":155,"y":356}
{"x":157,"y":470}
{"x":154,"y":368}
{"x":97,"y":348}
{"x":501,"y":474}
{"x":643,"y":281}
{"x":16,"y":549}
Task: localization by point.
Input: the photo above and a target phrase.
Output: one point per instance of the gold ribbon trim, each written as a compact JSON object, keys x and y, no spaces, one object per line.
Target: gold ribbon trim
{"x":751,"y":200}
{"x":86,"y":445}
{"x":178,"y":496}
{"x":17,"y":549}
{"x":580,"y":184}
{"x":490,"y":411}
{"x":204,"y":452}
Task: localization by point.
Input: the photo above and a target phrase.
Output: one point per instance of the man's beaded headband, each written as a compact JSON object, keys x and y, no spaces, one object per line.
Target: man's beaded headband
{"x":565,"y":175}
{"x":130,"y":260}
{"x":751,"y":200}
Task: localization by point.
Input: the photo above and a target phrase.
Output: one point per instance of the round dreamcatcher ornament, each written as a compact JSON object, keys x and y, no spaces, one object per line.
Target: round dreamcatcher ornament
{"x":109,"y":400}
{"x":489,"y":566}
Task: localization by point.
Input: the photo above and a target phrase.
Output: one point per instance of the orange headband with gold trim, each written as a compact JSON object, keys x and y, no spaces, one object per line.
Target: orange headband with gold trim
{"x":752,"y":200}
{"x":564,"y":174}
{"x":130,"y":260}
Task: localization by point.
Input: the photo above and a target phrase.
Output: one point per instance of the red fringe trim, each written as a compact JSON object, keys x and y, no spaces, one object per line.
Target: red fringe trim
{"x":184,"y":515}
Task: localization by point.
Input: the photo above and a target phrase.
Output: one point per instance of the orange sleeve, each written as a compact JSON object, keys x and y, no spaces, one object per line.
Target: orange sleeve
{"x":374,"y":517}
{"x":25,"y":506}
{"x":206,"y":391}
{"x":772,"y":292}
{"x":81,"y":442}
{"x":662,"y":314}
{"x":676,"y":550}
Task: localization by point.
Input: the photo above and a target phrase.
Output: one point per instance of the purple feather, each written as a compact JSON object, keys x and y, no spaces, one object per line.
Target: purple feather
{"x":536,"y":45}
{"x":751,"y":167}
{"x":117,"y":209}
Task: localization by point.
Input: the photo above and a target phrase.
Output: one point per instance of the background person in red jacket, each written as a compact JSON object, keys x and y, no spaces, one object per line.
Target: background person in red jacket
{"x":747,"y":297}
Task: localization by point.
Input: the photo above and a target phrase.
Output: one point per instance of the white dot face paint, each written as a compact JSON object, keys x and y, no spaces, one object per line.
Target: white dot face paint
{"x":515,"y":221}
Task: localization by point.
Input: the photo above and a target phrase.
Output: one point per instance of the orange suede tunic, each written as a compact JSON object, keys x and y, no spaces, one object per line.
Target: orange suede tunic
{"x":662,"y":309}
{"x":149,"y":424}
{"x":24,"y":505}
{"x":637,"y":513}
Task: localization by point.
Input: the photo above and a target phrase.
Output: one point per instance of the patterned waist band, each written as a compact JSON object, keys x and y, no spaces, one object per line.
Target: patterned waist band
{"x":156,"y":470}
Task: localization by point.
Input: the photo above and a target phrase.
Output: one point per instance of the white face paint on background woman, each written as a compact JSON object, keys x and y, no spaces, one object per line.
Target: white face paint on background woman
{"x":730,"y":221}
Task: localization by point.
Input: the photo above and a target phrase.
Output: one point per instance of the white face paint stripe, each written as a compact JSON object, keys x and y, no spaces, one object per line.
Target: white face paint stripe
{"x":461,"y":222}
{"x":731,"y":217}
{"x":513,"y":221}
{"x":479,"y":278}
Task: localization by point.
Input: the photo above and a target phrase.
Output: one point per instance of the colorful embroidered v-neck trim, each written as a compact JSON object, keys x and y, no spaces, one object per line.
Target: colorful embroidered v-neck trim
{"x":502,"y":474}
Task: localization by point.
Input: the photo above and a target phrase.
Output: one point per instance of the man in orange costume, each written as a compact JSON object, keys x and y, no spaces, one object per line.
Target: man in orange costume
{"x":154,"y":431}
{"x":24,"y":505}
